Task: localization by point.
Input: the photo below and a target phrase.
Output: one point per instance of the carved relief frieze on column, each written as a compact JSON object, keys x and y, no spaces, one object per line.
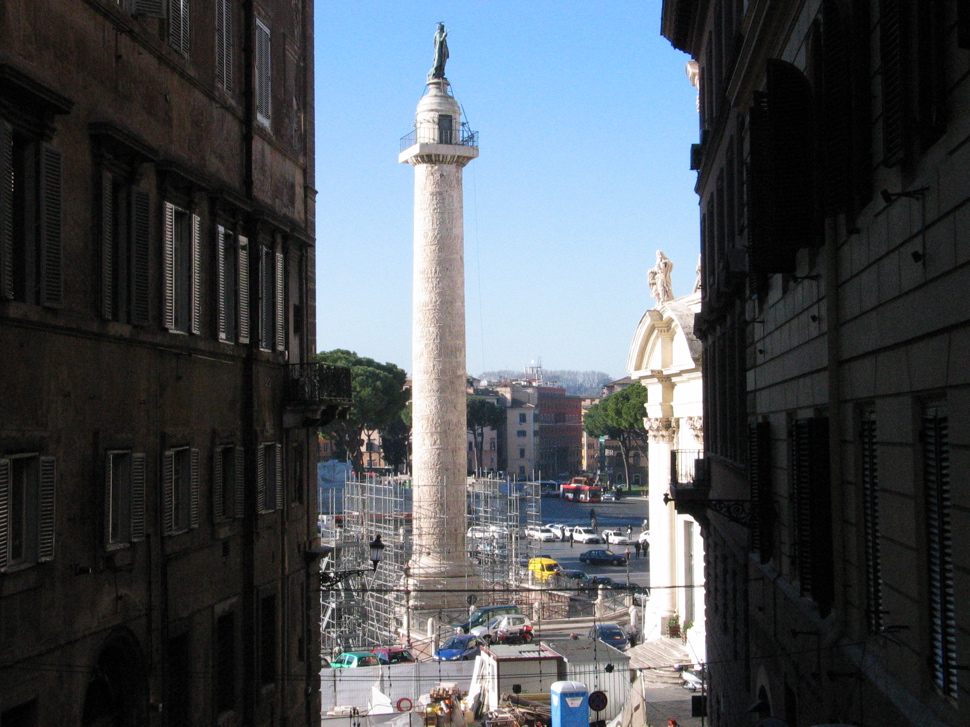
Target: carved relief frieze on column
{"x":662,"y":429}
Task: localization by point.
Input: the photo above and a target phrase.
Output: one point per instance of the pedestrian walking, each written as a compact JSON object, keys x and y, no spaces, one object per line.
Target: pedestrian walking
{"x":570,"y":538}
{"x":636,"y":547}
{"x":629,"y":531}
{"x":592,"y":518}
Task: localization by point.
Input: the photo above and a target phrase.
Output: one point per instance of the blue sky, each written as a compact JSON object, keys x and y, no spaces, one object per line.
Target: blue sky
{"x":585,"y":119}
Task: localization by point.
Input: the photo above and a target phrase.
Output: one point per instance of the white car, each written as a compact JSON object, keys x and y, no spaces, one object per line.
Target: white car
{"x":644,"y":537}
{"x":510,"y":628}
{"x":586,"y":535}
{"x":542,"y":534}
{"x":616,"y":537}
{"x":561,"y":531}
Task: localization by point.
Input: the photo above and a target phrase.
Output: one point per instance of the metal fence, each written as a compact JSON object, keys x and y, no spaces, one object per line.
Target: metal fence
{"x":431,"y":134}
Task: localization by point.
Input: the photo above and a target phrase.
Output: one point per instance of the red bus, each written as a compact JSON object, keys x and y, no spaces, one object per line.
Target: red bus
{"x":582,"y":493}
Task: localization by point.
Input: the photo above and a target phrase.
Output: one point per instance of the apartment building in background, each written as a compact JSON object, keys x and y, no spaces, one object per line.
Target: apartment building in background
{"x":158,"y":422}
{"x":832,"y":163}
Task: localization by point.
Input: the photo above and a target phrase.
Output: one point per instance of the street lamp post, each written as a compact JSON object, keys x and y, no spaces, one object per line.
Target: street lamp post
{"x":330,"y":579}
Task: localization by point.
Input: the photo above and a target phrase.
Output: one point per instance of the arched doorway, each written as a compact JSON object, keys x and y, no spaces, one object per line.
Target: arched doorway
{"x":116,"y":695}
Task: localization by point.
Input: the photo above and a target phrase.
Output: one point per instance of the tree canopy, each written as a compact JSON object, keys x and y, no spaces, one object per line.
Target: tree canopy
{"x":379,"y":397}
{"x":479,"y":415}
{"x":620,"y":417}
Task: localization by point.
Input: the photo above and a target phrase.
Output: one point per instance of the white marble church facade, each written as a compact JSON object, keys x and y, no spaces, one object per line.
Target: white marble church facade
{"x":665,"y":357}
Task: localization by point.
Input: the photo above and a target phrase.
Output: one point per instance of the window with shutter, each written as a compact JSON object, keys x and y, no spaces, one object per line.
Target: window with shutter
{"x":180,"y":490}
{"x":278,"y":457}
{"x":49,"y":216}
{"x":7,"y":182}
{"x":893,"y":40}
{"x":263,"y":73}
{"x":124,"y":233}
{"x":261,"y":478}
{"x":939,"y":548}
{"x":224,"y":483}
{"x":870,"y":519}
{"x":759,"y":479}
{"x":813,"y":557}
{"x":178,"y":25}
{"x":124,"y":498}
{"x":279,"y":309}
{"x":182,"y":304}
{"x":228,"y":282}
{"x":27,"y":509}
{"x":224,"y":44}
{"x":148,"y":8}
{"x":239,"y":483}
{"x":267,"y":298}
{"x":243,"y":299}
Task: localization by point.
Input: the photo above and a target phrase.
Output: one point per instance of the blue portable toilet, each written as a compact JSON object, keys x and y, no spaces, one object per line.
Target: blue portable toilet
{"x":570,"y":704}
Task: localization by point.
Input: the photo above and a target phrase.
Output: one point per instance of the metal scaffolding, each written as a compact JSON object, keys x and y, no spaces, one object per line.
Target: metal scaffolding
{"x":370,"y":609}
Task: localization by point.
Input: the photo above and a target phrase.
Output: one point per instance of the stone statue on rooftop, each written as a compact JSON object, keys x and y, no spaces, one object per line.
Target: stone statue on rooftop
{"x":440,"y":53}
{"x":658,"y":277}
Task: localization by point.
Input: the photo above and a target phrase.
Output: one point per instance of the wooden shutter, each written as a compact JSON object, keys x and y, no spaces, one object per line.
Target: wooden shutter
{"x":280,"y":304}
{"x":107,"y":246}
{"x":194,"y":486}
{"x":261,"y":478}
{"x":278,"y":505}
{"x":939,"y":551}
{"x":836,"y":114}
{"x":221,"y":311}
{"x":218,"y":512}
{"x":168,"y":263}
{"x":263,"y":73}
{"x":870,"y":521}
{"x":6,"y":211}
{"x":139,"y":256}
{"x":791,"y":114}
{"x":893,"y":39}
{"x":168,"y":485}
{"x":137,"y":496}
{"x":224,"y":43}
{"x":45,"y":525}
{"x":237,"y":501}
{"x":4,"y":511}
{"x":149,"y":8}
{"x":243,"y":296}
{"x":195,"y":310}
{"x":814,"y":558}
{"x":759,"y":479}
{"x":178,"y":25}
{"x":49,"y":218}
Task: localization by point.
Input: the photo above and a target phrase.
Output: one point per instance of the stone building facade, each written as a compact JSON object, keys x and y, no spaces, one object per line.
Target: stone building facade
{"x":157,"y":424}
{"x":832,"y":174}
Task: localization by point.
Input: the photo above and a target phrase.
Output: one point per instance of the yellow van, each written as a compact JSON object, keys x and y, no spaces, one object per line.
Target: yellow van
{"x":543,"y":569}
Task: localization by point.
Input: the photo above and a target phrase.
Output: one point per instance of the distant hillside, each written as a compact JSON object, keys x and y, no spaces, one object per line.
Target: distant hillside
{"x":580,"y":383}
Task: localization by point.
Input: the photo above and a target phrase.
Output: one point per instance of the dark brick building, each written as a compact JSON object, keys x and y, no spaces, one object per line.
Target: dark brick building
{"x":157,"y":428}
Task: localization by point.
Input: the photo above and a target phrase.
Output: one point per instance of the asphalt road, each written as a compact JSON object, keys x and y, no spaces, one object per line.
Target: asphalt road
{"x":618,"y":515}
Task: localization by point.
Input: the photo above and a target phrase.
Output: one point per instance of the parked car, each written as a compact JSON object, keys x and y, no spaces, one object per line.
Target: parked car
{"x":542,"y":534}
{"x":602,"y":557}
{"x":577,"y":578}
{"x":616,"y":537}
{"x":586,"y":535}
{"x":509,"y":629}
{"x":644,"y":538}
{"x":350,"y":659}
{"x":482,"y":615}
{"x":460,"y":647}
{"x":610,"y":634}
{"x":594,"y":582}
{"x":394,"y":655}
{"x":561,"y":531}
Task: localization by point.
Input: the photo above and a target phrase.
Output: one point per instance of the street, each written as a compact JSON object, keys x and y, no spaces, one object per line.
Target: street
{"x":618,"y":515}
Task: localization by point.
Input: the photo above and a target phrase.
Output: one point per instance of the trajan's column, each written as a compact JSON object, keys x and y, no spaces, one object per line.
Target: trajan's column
{"x":440,"y":567}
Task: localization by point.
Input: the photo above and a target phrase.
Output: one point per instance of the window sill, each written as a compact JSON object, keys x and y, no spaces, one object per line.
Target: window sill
{"x":18,"y":578}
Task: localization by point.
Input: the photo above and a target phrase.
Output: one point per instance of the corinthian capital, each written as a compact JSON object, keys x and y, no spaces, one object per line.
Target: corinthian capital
{"x":662,"y":429}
